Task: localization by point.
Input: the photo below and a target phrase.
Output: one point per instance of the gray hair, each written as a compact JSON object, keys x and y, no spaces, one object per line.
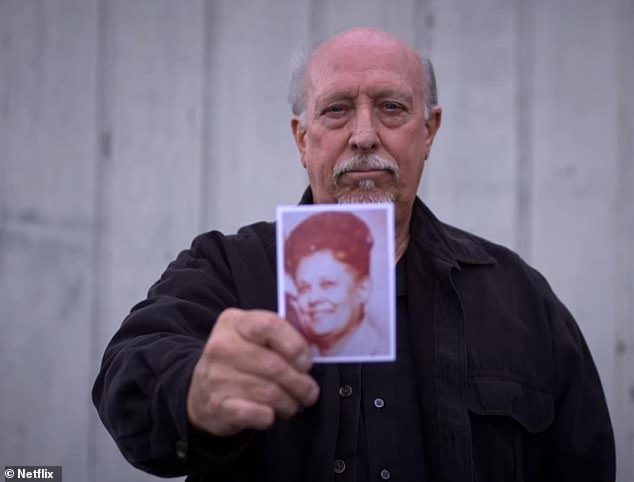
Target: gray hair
{"x":299,"y":64}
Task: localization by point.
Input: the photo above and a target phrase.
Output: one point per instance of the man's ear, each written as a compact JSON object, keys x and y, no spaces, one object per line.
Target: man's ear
{"x":432,"y":124}
{"x":299,"y":134}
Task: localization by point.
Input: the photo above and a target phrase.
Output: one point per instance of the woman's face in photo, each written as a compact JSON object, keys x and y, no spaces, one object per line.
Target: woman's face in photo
{"x":329,"y":294}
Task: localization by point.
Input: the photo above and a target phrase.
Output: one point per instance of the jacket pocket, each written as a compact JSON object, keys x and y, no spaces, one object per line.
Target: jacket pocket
{"x":508,"y":416}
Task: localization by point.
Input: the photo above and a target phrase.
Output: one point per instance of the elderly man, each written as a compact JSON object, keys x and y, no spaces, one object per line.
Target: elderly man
{"x":493,"y":380}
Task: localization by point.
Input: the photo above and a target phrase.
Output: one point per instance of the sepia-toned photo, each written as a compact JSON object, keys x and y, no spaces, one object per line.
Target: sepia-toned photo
{"x":335,"y":279}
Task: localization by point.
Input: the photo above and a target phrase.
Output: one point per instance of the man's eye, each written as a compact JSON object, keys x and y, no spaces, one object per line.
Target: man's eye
{"x":392,"y":106}
{"x":336,"y":109}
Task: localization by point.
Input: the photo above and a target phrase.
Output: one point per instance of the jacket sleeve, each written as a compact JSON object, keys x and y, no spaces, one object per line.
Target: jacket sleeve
{"x":141,"y":389}
{"x":580,"y":442}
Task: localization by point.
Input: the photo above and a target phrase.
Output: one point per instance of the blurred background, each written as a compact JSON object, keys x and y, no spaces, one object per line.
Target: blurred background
{"x":129,"y":126}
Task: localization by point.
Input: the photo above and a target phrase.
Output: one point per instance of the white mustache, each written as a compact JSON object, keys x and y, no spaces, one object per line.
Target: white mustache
{"x":360,"y":162}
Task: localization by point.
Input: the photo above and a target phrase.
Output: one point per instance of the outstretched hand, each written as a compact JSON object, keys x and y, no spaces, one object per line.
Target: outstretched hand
{"x":252,"y":370}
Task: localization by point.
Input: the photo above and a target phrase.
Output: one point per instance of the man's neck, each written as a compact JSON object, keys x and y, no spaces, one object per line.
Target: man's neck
{"x":400,"y":245}
{"x":401,"y":233}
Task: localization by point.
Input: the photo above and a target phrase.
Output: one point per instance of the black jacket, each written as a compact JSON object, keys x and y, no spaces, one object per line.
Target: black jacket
{"x":508,"y":388}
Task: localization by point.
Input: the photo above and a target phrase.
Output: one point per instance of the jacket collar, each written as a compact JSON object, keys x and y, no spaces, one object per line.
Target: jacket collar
{"x":452,"y":245}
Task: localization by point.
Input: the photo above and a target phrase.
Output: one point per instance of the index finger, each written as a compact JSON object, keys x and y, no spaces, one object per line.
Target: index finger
{"x":268,"y":329}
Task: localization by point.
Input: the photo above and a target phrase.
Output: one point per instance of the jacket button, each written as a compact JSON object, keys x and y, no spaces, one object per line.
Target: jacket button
{"x":385,"y":474}
{"x":339,"y":466}
{"x":379,"y":403}
{"x":181,"y":450}
{"x":345,"y":391}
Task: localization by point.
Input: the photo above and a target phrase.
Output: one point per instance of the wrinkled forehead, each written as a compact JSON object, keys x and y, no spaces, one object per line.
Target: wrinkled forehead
{"x":361,"y":53}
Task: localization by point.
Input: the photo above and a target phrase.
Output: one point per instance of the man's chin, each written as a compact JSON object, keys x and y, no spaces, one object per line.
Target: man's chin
{"x":366,"y":196}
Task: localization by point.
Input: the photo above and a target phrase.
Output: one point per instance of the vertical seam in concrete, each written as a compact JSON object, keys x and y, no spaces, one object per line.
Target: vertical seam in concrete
{"x":525,"y":63}
{"x":624,"y":230}
{"x":205,"y":140}
{"x":422,"y":25}
{"x":103,"y":152}
{"x":5,"y":100}
{"x":316,"y":21}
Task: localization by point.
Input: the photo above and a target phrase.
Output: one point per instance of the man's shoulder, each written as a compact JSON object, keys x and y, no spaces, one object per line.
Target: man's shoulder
{"x":468,"y":240}
{"x":260,"y":234}
{"x":502,"y":258}
{"x":239,"y":266}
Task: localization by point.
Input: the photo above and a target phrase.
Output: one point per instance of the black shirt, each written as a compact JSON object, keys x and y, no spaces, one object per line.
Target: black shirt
{"x":380,"y":434}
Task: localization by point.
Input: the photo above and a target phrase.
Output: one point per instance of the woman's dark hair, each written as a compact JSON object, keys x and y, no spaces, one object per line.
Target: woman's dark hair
{"x":342,"y":233}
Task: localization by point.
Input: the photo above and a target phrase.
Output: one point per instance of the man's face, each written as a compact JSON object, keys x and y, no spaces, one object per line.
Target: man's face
{"x":364,"y":98}
{"x":329,"y":295}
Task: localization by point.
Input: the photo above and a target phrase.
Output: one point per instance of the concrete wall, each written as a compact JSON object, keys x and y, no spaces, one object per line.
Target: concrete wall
{"x":126,"y":127}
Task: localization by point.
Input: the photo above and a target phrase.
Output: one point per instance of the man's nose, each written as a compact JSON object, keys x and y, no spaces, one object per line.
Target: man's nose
{"x":364,"y":137}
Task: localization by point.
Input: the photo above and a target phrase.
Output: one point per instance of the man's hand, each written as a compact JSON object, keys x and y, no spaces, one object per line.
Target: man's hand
{"x":253,"y":368}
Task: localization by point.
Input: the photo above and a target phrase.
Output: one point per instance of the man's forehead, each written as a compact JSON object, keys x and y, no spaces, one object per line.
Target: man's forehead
{"x":361,"y":50}
{"x":363,"y":37}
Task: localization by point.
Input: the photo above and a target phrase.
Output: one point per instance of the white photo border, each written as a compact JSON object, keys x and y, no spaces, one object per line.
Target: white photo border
{"x":354,"y":208}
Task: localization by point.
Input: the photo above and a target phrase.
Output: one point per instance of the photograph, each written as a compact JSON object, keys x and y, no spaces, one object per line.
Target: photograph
{"x":335,"y":275}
